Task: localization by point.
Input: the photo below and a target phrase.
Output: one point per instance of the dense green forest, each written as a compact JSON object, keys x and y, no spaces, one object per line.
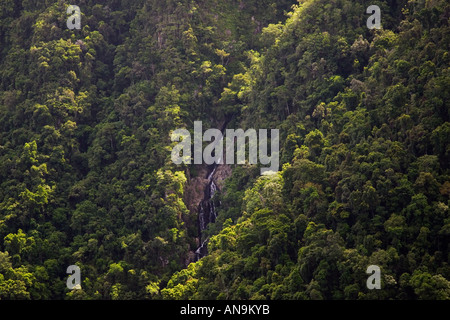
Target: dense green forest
{"x":86,"y":176}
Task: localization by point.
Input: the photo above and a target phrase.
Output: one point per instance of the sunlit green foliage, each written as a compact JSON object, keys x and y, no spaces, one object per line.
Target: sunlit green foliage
{"x":85,"y":170}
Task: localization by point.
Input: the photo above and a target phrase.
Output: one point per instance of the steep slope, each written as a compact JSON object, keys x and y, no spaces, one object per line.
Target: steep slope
{"x":86,"y":176}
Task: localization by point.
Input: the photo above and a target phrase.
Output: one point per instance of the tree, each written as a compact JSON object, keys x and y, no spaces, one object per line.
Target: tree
{"x":430,"y":287}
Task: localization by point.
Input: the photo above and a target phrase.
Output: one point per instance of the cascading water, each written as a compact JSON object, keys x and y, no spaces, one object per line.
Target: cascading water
{"x":207,"y":213}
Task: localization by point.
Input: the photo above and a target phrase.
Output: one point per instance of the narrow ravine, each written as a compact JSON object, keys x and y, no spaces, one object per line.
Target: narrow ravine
{"x":207,"y":213}
{"x":207,"y":210}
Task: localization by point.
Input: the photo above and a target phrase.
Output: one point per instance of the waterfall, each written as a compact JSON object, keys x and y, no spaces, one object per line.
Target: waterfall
{"x":207,"y":213}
